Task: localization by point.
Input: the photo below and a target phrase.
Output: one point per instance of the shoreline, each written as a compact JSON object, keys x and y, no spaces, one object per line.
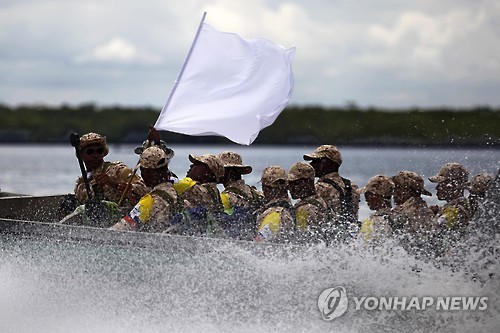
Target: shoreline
{"x":298,"y":144}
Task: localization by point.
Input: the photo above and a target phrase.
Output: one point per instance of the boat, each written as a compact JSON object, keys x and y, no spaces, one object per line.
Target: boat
{"x":31,"y":208}
{"x":9,"y":194}
{"x":37,"y":217}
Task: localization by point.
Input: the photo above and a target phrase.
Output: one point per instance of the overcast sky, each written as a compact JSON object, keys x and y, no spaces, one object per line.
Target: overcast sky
{"x":383,"y":53}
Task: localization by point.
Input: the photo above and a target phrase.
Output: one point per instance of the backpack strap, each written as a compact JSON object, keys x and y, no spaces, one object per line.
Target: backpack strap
{"x":346,"y":204}
{"x":214,"y":193}
{"x":336,"y":186}
{"x":347,"y":200}
{"x":257,"y":198}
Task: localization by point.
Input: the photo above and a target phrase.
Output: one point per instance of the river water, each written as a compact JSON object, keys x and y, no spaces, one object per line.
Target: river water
{"x":63,"y":287}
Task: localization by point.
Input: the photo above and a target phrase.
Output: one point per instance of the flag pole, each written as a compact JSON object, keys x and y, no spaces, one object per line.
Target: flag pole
{"x":181,"y":72}
{"x":147,"y":142}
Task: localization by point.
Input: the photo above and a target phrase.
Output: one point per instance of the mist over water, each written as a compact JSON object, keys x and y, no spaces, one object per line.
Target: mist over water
{"x":61,"y":287}
{"x":50,"y":286}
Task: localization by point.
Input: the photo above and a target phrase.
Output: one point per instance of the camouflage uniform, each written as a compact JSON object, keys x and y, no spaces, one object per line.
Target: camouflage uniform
{"x":202,"y":201}
{"x":274,"y":219}
{"x":242,"y":195}
{"x":414,"y":216}
{"x":239,"y":199}
{"x":412,"y":221}
{"x":155,"y":210}
{"x":240,"y":202}
{"x":477,"y":190}
{"x":237,"y":191}
{"x":339,"y":193}
{"x":453,"y":217}
{"x":115,"y":170}
{"x":205,"y":195}
{"x":377,"y":227}
{"x":310,"y":212}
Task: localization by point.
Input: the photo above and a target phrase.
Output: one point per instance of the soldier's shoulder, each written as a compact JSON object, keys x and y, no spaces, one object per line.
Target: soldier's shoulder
{"x":115,"y":166}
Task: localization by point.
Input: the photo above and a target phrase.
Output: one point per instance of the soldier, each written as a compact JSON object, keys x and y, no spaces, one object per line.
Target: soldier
{"x":274,"y":219}
{"x":411,"y":214}
{"x":239,"y":199}
{"x":310,"y":210}
{"x":202,"y":201}
{"x":412,"y":217}
{"x":108,"y":180}
{"x":154,"y":139}
{"x":477,"y":190}
{"x":339,"y":193}
{"x":453,"y":217}
{"x":156,"y":209}
{"x":378,"y":193}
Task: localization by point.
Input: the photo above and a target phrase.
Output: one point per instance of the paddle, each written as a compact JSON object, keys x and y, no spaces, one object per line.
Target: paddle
{"x":145,"y":145}
{"x":153,"y":136}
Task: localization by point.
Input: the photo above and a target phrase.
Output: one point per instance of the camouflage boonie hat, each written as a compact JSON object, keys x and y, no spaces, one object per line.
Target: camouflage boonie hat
{"x":168,"y":151}
{"x":480,"y":183}
{"x":274,"y":176}
{"x":301,"y":170}
{"x":231,"y":159}
{"x":212,"y":161}
{"x":380,"y":185}
{"x":412,"y":180}
{"x":153,"y":158}
{"x":325,"y":151}
{"x":94,"y":138}
{"x":451,"y":171}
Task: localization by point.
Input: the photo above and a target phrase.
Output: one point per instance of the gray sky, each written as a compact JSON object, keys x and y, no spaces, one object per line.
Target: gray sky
{"x":383,"y":53}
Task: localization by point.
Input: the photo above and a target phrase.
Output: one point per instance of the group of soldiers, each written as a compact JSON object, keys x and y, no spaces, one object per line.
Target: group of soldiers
{"x":324,"y":206}
{"x":424,"y":230}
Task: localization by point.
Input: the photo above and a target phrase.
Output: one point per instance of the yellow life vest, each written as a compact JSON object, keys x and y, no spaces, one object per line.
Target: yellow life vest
{"x":367,"y":230}
{"x":228,"y":208}
{"x":183,"y":185}
{"x":301,"y":218}
{"x":449,"y":217}
{"x":270,"y":225}
{"x":143,"y":208}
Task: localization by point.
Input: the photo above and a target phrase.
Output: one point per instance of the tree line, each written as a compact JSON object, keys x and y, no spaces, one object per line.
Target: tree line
{"x":348,"y":125}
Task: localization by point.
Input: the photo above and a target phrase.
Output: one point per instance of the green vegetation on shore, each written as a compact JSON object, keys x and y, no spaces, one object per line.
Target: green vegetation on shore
{"x":349,"y":125}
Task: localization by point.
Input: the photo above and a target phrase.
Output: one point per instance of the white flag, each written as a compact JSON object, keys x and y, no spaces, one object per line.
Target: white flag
{"x":229,"y":86}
